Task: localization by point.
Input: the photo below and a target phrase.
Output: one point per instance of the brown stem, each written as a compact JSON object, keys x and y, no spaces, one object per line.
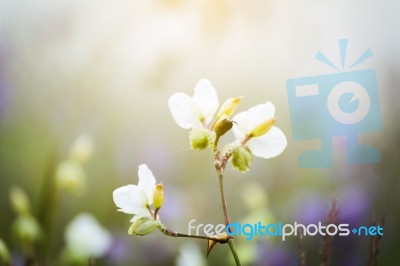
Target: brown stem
{"x":223,"y":198}
{"x":223,"y":238}
{"x":220,"y":164}
{"x":246,"y":139}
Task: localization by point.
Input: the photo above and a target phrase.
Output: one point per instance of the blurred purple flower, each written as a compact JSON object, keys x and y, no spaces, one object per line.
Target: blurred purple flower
{"x":312,"y":209}
{"x":353,"y":207}
{"x":119,"y":250}
{"x":275,"y":255}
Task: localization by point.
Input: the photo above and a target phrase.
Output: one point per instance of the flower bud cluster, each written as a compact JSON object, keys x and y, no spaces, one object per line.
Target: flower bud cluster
{"x":253,"y":128}
{"x":25,"y":227}
{"x":138,"y":200}
{"x":254,"y":131}
{"x":70,"y":175}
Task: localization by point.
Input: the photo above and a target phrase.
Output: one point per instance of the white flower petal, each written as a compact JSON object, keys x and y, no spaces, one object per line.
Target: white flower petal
{"x":85,"y":237}
{"x":130,"y":199}
{"x":269,"y":145}
{"x":260,"y":113}
{"x":206,"y":98}
{"x":246,"y":121}
{"x":184,"y":110}
{"x":147,"y":182}
{"x":240,"y":127}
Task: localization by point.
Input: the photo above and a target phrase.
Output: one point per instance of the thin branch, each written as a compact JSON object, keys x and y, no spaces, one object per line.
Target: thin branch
{"x":327,"y":244}
{"x":374,"y":247}
{"x":302,"y":251}
{"x":234,"y":253}
{"x":220,"y":164}
{"x":223,"y":198}
{"x":223,"y":238}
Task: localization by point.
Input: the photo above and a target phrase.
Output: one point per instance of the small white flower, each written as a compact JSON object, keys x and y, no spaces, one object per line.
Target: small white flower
{"x":190,"y":254}
{"x":86,"y":238}
{"x":268,"y":145}
{"x":135,"y":199}
{"x":197,"y":111}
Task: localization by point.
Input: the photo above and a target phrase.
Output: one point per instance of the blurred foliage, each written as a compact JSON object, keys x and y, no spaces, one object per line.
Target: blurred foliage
{"x":107,"y":69}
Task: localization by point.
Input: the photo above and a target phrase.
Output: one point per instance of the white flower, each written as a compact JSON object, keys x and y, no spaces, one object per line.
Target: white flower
{"x":197,"y":111}
{"x":86,"y":238}
{"x":135,"y":199}
{"x":190,"y":254}
{"x":268,"y":145}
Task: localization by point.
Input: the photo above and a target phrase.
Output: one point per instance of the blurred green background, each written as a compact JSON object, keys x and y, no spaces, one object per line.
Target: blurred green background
{"x":108,"y":68}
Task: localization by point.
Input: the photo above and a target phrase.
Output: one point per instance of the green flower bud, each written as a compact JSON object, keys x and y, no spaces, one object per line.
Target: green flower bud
{"x":27,"y":229}
{"x":199,"y":139}
{"x":19,"y":201}
{"x":4,"y":253}
{"x":82,"y":149}
{"x":242,"y":159}
{"x":70,"y":177}
{"x":262,"y":128}
{"x":228,"y":107}
{"x":143,"y":226}
{"x":222,"y":126}
{"x":158,"y":197}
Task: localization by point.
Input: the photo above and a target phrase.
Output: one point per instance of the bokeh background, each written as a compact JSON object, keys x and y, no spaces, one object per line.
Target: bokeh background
{"x":108,"y":68}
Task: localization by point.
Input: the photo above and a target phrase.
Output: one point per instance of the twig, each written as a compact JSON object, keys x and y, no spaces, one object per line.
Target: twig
{"x":302,"y":251}
{"x":374,"y":246}
{"x":327,"y":244}
{"x":222,"y":238}
{"x":220,"y":164}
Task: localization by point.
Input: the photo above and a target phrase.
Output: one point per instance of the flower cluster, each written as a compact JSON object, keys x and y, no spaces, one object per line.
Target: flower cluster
{"x":253,"y":129}
{"x":254,"y":132}
{"x":137,"y":200}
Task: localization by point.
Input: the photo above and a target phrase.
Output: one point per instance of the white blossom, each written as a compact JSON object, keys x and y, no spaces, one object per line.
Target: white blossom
{"x":197,"y":111}
{"x":135,"y":199}
{"x":86,"y":238}
{"x":268,"y":145}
